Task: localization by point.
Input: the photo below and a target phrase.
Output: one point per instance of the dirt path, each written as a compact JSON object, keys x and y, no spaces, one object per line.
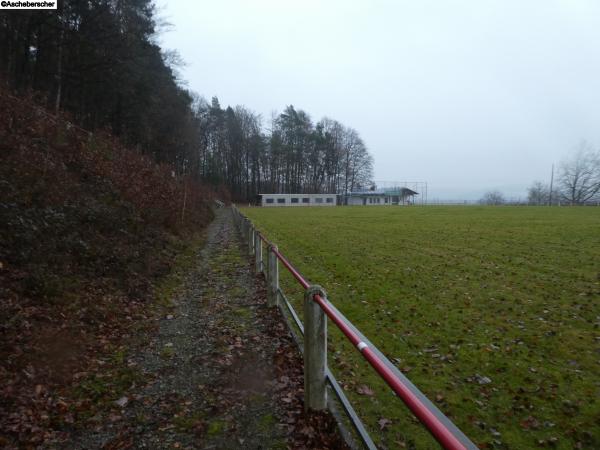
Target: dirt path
{"x":221,"y":372}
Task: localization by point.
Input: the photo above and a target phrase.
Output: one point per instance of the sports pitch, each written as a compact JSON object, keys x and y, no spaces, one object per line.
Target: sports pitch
{"x":493,"y":312}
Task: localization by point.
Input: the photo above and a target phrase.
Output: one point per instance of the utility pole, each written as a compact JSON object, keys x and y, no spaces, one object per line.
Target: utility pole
{"x":551,"y":185}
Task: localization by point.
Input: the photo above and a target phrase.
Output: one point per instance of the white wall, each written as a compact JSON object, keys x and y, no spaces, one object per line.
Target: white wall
{"x":373,"y":201}
{"x":355,"y":201}
{"x":288,"y":200}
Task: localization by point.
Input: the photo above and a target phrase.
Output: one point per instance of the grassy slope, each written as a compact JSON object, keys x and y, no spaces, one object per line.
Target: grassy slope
{"x":88,"y":231}
{"x":454,"y":293}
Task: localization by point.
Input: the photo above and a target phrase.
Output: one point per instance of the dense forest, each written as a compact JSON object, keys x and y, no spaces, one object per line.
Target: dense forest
{"x":98,"y":61}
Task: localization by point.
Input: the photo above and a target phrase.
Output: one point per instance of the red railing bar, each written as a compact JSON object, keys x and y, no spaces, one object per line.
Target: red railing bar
{"x":292,"y":269}
{"x":439,"y":431}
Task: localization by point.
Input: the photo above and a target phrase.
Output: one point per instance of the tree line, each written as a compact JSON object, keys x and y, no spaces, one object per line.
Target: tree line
{"x":577,"y":180}
{"x":294,"y":155}
{"x":99,"y":61}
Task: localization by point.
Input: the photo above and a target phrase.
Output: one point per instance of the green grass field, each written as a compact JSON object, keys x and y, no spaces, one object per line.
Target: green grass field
{"x":493,"y":312}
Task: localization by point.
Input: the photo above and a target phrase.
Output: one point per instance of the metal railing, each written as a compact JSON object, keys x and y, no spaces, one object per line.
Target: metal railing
{"x":314,"y":331}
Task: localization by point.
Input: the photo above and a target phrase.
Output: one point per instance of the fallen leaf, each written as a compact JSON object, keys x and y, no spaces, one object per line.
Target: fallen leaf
{"x":530,"y":423}
{"x":383,"y":423}
{"x":308,"y":431}
{"x":363,"y":389}
{"x":122,"y":402}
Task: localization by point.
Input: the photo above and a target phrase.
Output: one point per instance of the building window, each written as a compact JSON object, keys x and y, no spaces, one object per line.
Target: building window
{"x":305,"y":199}
{"x":270,"y":200}
{"x":370,"y":200}
{"x":319,"y":200}
{"x":329,"y":200}
{"x":281,"y":200}
{"x":295,"y":199}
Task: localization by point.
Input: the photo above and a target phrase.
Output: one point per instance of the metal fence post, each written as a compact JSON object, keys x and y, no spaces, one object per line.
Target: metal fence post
{"x":315,"y":350}
{"x":257,"y":252}
{"x":272,"y":276}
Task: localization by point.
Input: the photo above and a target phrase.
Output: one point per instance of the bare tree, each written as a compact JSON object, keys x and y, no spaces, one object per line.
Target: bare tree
{"x":358,"y":163}
{"x":538,"y":194}
{"x":492,"y":198}
{"x":579,"y":175}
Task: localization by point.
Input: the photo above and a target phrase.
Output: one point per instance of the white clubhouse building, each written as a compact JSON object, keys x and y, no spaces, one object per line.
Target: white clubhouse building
{"x":394,"y":196}
{"x":297,"y":199}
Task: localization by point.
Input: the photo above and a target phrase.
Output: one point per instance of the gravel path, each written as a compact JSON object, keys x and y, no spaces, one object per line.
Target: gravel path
{"x":221,"y":372}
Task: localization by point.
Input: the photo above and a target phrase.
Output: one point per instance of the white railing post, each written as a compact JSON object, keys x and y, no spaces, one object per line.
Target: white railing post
{"x":315,"y":350}
{"x":257,"y":252}
{"x":272,"y":276}
{"x":250,"y":237}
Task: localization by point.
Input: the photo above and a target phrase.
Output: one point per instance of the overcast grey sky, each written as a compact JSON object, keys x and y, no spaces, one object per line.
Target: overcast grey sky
{"x":466,"y":95}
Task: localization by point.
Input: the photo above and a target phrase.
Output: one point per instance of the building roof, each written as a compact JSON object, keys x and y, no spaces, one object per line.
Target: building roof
{"x":293,"y":193}
{"x":403,"y":191}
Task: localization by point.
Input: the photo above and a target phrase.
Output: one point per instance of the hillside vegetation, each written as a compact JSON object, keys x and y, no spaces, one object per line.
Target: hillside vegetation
{"x":136,"y":91}
{"x":492,"y":311}
{"x":88,"y":229}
